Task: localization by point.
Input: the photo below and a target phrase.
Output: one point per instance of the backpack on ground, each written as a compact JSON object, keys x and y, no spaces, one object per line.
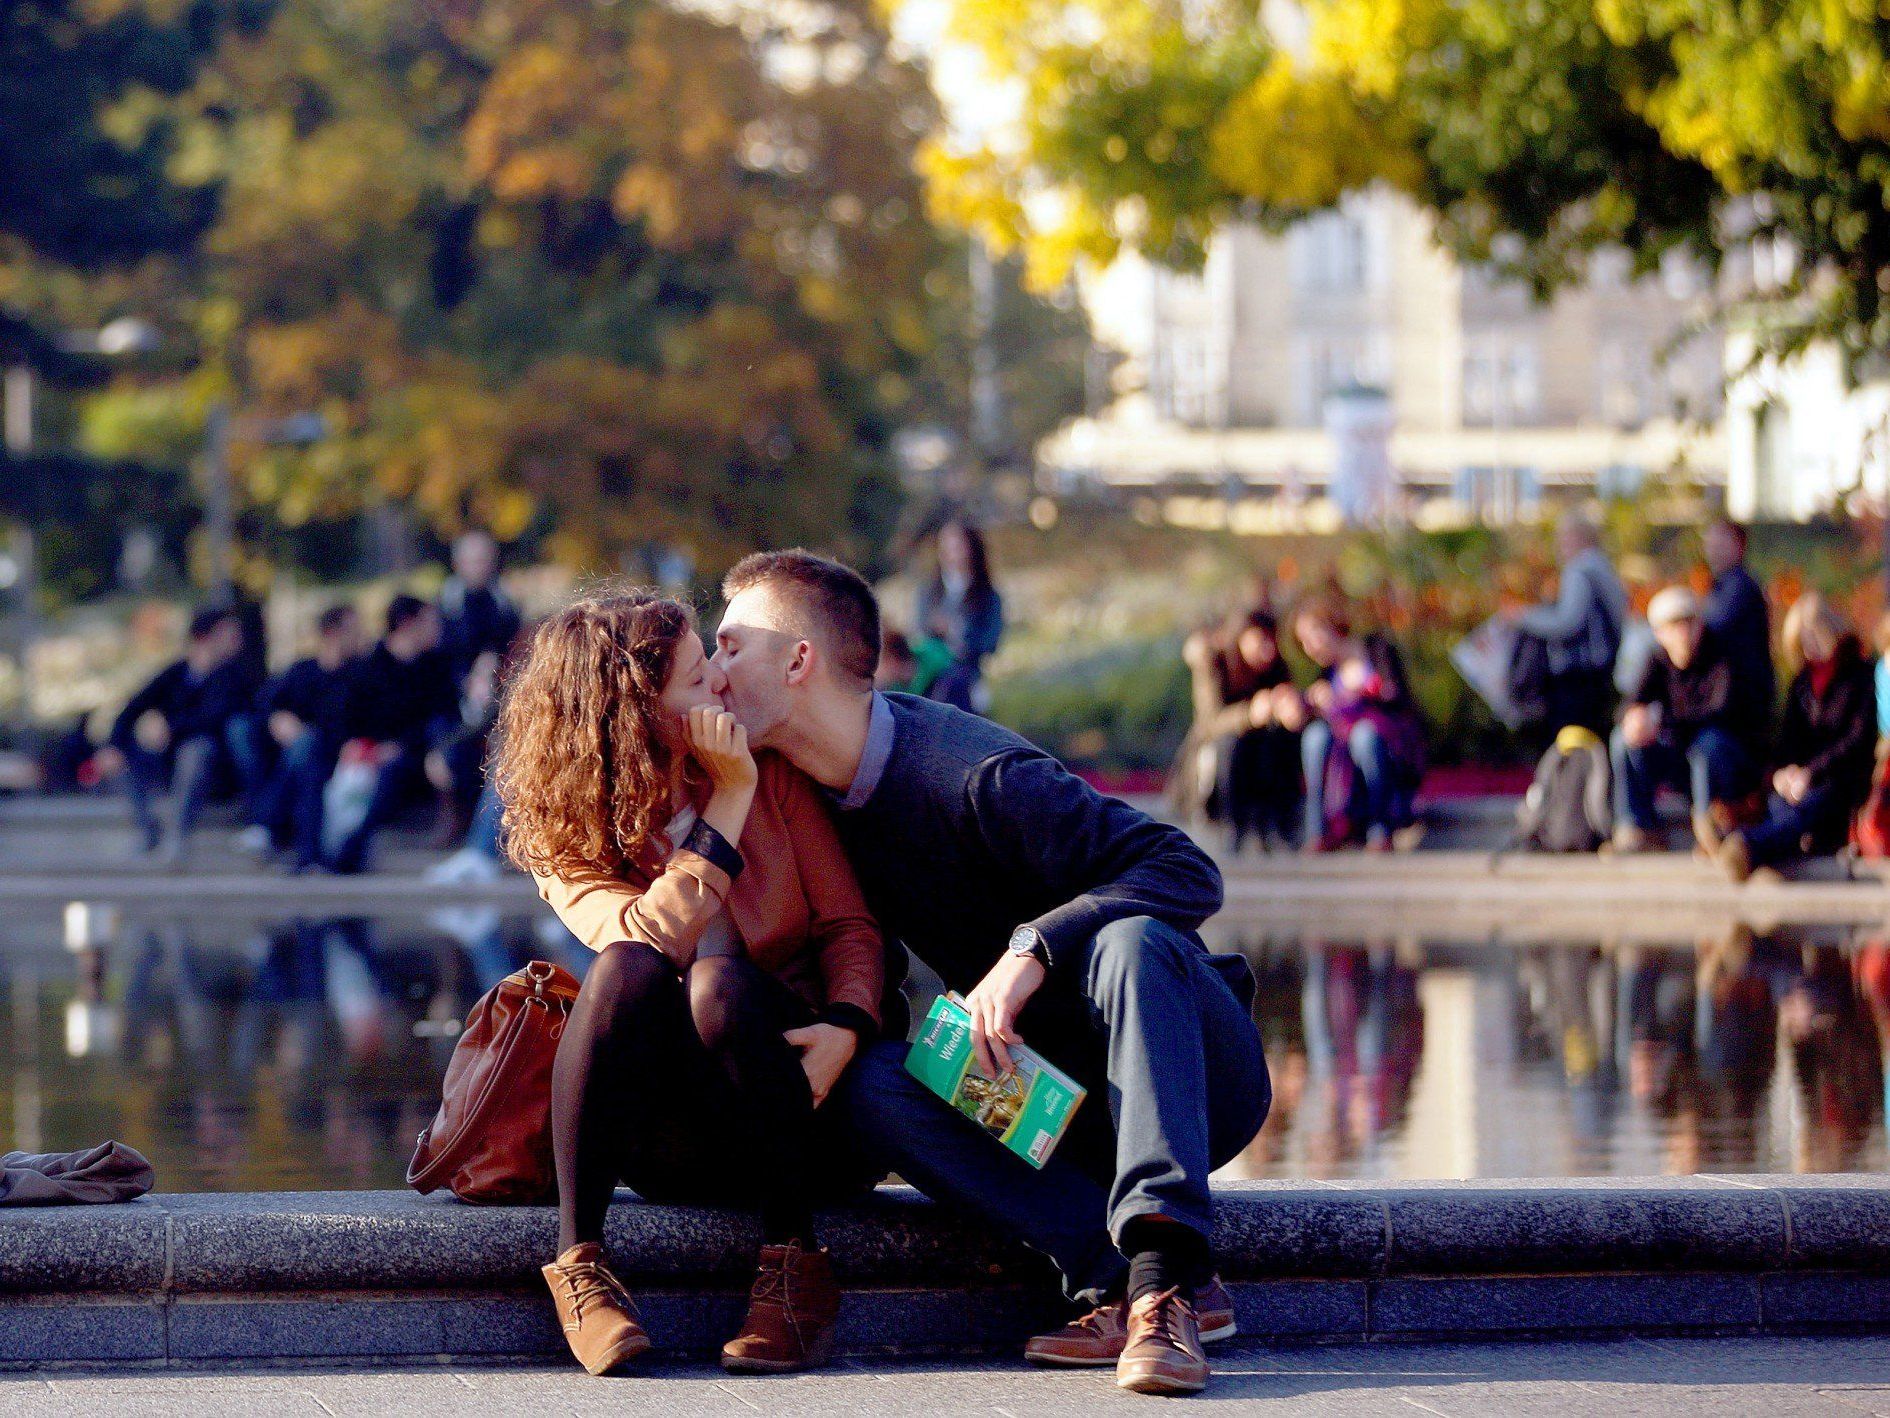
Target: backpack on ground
{"x":1569,"y":806}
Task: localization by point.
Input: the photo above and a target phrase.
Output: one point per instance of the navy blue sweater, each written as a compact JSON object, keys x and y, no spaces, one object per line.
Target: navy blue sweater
{"x":974,"y":831}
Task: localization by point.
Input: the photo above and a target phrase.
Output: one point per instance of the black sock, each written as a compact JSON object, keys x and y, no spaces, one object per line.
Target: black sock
{"x":1164,"y":1254}
{"x":787,"y":1226}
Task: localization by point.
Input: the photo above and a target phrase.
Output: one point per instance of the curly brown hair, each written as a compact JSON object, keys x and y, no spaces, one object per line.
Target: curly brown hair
{"x":584,"y":751}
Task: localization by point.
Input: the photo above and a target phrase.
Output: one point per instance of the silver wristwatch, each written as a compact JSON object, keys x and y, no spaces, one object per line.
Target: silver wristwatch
{"x":1028,"y":940}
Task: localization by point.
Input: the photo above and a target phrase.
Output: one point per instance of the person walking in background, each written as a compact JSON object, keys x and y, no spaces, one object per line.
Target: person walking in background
{"x":304,"y":711}
{"x":1736,"y":613}
{"x":456,"y":765}
{"x":1361,"y":735}
{"x":738,"y":969}
{"x":1581,"y":630}
{"x":960,"y":608}
{"x":477,"y":617}
{"x":175,"y":733}
{"x":1684,"y":726}
{"x":1826,"y":744}
{"x":1243,"y":699}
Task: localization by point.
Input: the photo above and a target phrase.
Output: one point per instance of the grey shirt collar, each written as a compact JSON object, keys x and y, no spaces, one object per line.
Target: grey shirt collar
{"x":879,"y":747}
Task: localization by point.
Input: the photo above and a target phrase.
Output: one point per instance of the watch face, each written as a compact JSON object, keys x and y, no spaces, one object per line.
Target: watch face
{"x":1023,"y":941}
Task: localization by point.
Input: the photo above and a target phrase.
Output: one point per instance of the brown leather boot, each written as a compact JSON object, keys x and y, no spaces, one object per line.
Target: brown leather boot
{"x":1163,"y":1353}
{"x":599,"y":1317}
{"x":791,"y":1313}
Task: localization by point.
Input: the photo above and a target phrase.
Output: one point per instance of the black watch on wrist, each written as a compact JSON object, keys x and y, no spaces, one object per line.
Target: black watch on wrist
{"x":1028,"y":940}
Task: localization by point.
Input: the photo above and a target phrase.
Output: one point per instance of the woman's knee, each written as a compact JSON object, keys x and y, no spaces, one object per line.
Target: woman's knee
{"x":721,"y":998}
{"x":625,"y":973}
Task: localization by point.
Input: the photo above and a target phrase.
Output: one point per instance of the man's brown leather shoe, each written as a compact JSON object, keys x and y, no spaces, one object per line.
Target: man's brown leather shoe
{"x":1163,"y":1353}
{"x":1086,"y":1342}
{"x":791,"y":1314}
{"x":1214,"y":1312}
{"x":1096,"y":1340}
{"x":599,"y":1317}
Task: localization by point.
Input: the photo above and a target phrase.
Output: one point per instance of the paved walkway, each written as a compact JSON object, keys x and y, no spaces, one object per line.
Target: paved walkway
{"x":1687,"y":1378}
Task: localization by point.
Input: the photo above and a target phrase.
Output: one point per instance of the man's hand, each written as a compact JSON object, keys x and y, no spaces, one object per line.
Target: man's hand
{"x":1638,"y":728}
{"x":284,"y":727}
{"x":109,"y":762}
{"x":152,"y":731}
{"x":994,"y":1004}
{"x":1792,"y":783}
{"x":826,"y":1050}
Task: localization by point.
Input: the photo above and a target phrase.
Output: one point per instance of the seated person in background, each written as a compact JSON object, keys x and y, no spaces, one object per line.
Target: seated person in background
{"x":908,"y":668}
{"x":1243,"y":696}
{"x":1362,"y":748}
{"x":1736,"y":612}
{"x":1580,"y":629}
{"x":1826,"y":744}
{"x":1882,"y":676}
{"x":175,"y":732}
{"x":304,"y":710}
{"x":1684,"y":726}
{"x":402,"y":699}
{"x":457,"y":766}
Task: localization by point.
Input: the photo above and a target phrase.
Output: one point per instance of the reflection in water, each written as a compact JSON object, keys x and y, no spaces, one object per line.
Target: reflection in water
{"x":308,"y":1053}
{"x":1399,"y":1059}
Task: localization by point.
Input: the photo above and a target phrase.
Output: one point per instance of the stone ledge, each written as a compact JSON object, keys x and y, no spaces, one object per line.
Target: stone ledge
{"x":384,"y":1274}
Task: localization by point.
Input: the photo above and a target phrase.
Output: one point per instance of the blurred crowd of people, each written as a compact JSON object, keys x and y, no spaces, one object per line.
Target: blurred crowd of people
{"x":329,"y":751}
{"x":363,"y":731}
{"x":1685,"y":699}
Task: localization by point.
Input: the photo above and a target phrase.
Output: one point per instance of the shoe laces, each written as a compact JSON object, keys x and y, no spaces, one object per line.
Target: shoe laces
{"x":772,"y":1285}
{"x":591,"y":1281}
{"x":1097,"y":1320}
{"x":1164,"y":1315}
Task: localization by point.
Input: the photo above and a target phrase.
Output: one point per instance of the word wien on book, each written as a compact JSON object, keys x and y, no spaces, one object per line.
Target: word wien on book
{"x":1028,"y":1109}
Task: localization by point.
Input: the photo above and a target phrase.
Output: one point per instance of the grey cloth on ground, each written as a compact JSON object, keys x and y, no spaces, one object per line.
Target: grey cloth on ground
{"x":108,"y":1172}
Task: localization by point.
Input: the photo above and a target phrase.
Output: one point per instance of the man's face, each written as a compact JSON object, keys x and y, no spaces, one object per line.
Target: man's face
{"x":1680,"y":639}
{"x":754,"y":649}
{"x":1721,"y":547}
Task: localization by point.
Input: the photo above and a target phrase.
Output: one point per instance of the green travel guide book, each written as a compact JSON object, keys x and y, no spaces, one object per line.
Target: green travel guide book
{"x":1028,"y":1110}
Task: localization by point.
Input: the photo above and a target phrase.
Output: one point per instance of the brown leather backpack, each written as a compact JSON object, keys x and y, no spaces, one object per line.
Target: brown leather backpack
{"x":491,"y":1140}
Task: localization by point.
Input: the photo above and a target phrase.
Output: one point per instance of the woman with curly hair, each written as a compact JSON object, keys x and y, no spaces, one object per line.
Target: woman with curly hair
{"x":737,"y":967}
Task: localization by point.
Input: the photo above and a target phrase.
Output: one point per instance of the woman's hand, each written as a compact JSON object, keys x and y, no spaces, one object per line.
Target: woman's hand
{"x":720,"y":745}
{"x":826,"y":1050}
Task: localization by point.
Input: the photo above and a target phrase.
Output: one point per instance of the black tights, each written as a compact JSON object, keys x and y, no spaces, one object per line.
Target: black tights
{"x":685,"y":1090}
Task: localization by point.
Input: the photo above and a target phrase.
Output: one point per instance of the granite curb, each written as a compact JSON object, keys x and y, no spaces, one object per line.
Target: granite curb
{"x":233,"y":1278}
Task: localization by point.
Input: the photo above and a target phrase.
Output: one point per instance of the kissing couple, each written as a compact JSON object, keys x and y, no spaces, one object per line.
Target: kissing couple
{"x":754,"y":840}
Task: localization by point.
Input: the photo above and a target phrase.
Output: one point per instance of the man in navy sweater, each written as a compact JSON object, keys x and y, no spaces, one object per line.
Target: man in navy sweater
{"x":1066,"y":918}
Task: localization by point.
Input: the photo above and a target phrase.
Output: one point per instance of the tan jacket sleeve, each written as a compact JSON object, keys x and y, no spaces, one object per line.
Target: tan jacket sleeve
{"x":670,"y":913}
{"x":841,"y":930}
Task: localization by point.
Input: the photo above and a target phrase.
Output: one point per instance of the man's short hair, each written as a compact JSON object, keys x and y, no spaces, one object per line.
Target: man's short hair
{"x":839,"y":609}
{"x":404,"y":610}
{"x":334,"y":618}
{"x":1733,"y":529}
{"x":208,"y":622}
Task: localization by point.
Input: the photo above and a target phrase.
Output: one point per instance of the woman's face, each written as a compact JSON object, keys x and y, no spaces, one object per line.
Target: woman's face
{"x":1317,"y":639}
{"x":694,"y":680}
{"x":954,"y":549}
{"x":1258,"y":647}
{"x":1817,"y":642}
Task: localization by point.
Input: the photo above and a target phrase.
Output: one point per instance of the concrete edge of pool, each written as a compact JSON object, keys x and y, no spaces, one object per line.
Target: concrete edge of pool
{"x":244,"y":1278}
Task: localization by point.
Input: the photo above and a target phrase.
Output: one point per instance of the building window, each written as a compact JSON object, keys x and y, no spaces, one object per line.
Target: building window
{"x":1502,"y":381}
{"x":1330,"y":255}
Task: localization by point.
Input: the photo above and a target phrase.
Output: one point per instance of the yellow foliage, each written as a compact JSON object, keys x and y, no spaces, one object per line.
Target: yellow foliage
{"x":1300,"y":141}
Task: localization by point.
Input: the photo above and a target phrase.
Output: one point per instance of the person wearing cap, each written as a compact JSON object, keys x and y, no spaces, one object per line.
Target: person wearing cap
{"x":1685,"y":725}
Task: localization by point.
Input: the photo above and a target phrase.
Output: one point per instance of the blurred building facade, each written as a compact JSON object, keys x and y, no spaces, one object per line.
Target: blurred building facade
{"x":1497,"y":400}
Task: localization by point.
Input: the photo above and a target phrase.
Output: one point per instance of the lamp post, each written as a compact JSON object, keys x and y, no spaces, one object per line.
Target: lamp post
{"x":294,"y":431}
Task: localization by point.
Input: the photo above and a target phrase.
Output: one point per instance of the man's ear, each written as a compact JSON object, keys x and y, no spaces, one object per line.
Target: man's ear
{"x":802,"y":663}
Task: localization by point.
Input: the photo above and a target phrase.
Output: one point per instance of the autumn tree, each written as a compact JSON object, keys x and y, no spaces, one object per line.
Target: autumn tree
{"x":1536,"y":131}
